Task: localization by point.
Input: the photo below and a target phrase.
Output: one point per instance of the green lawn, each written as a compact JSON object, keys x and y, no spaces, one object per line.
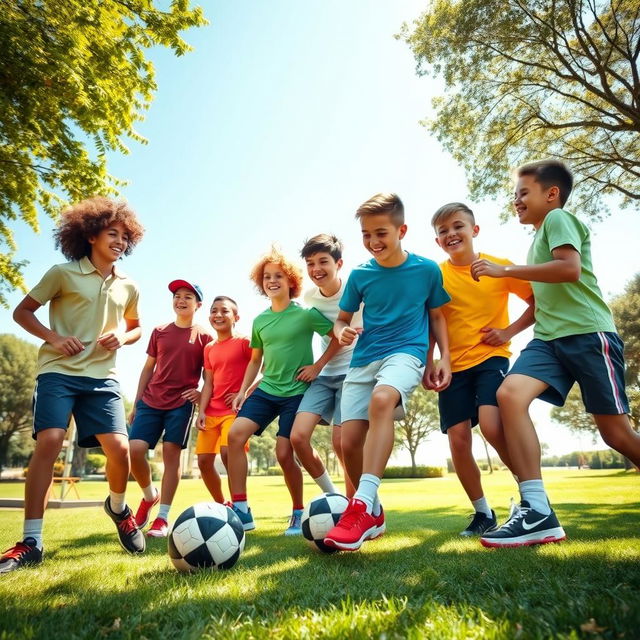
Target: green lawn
{"x":419,"y":581}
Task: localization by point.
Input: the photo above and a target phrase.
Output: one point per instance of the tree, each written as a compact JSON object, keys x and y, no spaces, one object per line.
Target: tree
{"x":262,"y":450}
{"x":74,"y":80}
{"x":421,"y":420}
{"x":322,"y":442}
{"x":626,"y":312}
{"x":530,"y":80}
{"x":18,"y":364}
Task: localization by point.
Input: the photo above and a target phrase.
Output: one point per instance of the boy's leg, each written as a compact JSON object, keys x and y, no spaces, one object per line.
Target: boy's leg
{"x":617,"y":432}
{"x":352,"y":439}
{"x":293,"y":479}
{"x":492,"y":430}
{"x":301,"y":433}
{"x":336,"y":441}
{"x":210,"y":476}
{"x":207,"y":446}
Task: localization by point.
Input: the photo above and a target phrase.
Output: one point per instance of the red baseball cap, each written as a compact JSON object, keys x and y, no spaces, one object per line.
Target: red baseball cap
{"x":177,"y":284}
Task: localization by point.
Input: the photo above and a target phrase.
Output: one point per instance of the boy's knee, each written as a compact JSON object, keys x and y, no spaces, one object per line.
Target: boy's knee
{"x":138,"y":449}
{"x":459,"y":441}
{"x":237,"y":440}
{"x":508,"y":394}
{"x":383,"y":400}
{"x":299,"y":441}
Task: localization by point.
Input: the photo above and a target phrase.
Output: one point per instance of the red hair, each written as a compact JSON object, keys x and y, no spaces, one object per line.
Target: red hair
{"x":290,"y":270}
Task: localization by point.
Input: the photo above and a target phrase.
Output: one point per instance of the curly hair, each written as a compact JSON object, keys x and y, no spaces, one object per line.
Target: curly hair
{"x":87,"y":219}
{"x":290,"y":270}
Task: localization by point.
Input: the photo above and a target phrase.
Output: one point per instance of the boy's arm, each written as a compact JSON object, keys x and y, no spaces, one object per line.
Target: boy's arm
{"x":145,"y":376}
{"x":25,"y":316}
{"x":344,"y":333}
{"x":114,"y":340}
{"x":496,"y":337}
{"x":253,"y":368}
{"x":310,"y":372}
{"x":565,"y":267}
{"x":439,"y":377}
{"x":205,"y":397}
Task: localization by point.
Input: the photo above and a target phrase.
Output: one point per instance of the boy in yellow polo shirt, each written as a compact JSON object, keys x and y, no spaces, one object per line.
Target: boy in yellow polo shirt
{"x":479,"y":335}
{"x":89,"y":302}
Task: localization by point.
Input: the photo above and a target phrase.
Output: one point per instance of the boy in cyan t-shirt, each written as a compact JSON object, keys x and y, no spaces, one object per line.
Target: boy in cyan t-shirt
{"x":402,"y":295}
{"x":575,"y":340}
{"x":282,"y":336}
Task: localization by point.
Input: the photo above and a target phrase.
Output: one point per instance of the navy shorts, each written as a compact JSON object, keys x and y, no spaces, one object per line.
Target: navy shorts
{"x":594,"y":360}
{"x":470,"y":389}
{"x":95,"y":403}
{"x":149,"y":424}
{"x":263,"y":408}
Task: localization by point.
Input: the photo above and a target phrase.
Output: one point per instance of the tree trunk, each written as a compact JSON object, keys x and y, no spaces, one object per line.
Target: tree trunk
{"x":412,"y":453}
{"x":79,"y":460}
{"x":486,"y":448}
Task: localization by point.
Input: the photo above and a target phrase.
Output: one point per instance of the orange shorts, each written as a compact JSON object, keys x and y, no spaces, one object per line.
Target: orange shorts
{"x":215,"y":434}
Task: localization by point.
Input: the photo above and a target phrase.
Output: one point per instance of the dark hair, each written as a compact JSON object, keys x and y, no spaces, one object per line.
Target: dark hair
{"x":550,"y":173}
{"x":222,"y":298}
{"x":324,"y":243}
{"x":383,"y":204}
{"x":447,"y":210}
{"x":87,"y":219}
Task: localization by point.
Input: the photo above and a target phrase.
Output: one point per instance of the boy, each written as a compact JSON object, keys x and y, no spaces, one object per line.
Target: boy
{"x":479,"y":334}
{"x":89,"y":300}
{"x":225,"y":363}
{"x":164,"y":402}
{"x":574,"y":341}
{"x":402,"y":295}
{"x":323,"y":257}
{"x":281,"y":334}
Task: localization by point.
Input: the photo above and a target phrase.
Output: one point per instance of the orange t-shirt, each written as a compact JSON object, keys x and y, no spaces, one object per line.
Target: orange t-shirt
{"x":227,"y":360}
{"x":475,"y":305}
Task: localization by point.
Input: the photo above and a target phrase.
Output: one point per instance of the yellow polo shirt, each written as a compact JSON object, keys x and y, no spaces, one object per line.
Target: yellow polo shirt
{"x":83,"y":305}
{"x":475,"y":305}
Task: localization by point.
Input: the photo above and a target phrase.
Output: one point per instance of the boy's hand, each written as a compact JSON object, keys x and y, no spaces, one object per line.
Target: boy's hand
{"x":427,"y":375}
{"x":200,"y":422}
{"x":484,"y":267}
{"x":348,"y":335}
{"x":308,"y":373}
{"x":67,"y":346}
{"x":440,"y":376}
{"x":237,"y":402}
{"x":132,"y":414}
{"x":110,"y":341}
{"x":193,"y":395}
{"x":494,"y":337}
{"x":229,"y":398}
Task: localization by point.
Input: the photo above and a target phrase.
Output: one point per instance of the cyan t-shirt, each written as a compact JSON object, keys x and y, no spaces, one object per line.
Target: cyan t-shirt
{"x":567,"y":308}
{"x":285,"y":338}
{"x":396,"y":307}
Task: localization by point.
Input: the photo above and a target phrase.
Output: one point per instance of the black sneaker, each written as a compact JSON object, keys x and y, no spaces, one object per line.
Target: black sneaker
{"x":524,"y":528}
{"x":130,"y":536}
{"x":480,"y":523}
{"x":23,"y":554}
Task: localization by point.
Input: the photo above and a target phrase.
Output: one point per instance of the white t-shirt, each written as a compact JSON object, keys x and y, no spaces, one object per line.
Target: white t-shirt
{"x":328,"y":306}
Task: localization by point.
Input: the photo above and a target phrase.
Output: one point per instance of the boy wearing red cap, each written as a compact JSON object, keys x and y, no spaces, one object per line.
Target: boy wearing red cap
{"x":164,"y":404}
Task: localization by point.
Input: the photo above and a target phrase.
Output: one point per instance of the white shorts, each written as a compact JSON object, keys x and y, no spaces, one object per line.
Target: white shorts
{"x":401,"y":371}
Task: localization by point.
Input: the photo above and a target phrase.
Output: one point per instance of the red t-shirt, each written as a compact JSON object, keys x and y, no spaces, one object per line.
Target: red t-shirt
{"x":179,"y":354}
{"x":228,"y":361}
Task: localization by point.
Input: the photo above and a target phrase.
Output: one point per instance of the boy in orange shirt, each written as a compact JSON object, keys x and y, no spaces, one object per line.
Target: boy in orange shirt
{"x":479,"y":334}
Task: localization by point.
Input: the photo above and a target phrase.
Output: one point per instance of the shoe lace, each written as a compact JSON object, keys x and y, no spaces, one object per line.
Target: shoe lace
{"x":17,"y":551}
{"x":351,"y":517}
{"x":294,"y":522}
{"x":476,"y":519}
{"x":127,"y":525}
{"x":518,"y":515}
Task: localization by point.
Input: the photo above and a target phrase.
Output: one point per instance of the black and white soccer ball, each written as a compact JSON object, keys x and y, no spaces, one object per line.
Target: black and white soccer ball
{"x":206,"y":535}
{"x":320,"y":516}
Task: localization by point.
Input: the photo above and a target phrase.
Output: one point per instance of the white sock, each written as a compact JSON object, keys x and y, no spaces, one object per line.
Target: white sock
{"x":324,"y":482}
{"x":163,"y":512}
{"x":533,"y":492}
{"x":367,"y":490}
{"x":482,"y":506}
{"x":116,"y":502}
{"x":377,"y":507}
{"x":150,"y":493}
{"x":242,"y":505}
{"x":33,"y":529}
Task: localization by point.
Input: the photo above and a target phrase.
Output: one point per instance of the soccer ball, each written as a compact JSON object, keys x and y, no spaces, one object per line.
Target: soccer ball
{"x":320,"y":516}
{"x":208,"y":535}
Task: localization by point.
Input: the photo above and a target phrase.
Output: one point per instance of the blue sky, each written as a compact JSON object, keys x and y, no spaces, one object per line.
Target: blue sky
{"x":285,"y":117}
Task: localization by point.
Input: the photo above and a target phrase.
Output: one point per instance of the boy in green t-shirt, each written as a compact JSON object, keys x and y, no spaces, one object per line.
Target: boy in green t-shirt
{"x":575,"y":340}
{"x":281,"y":335}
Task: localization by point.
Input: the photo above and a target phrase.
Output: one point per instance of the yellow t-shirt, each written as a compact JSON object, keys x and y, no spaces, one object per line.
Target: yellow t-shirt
{"x":475,"y":305}
{"x":83,"y":305}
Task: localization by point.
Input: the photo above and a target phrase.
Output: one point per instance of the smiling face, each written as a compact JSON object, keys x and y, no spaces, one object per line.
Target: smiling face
{"x":323,"y":271}
{"x":275,"y":283}
{"x":532,"y":201}
{"x":185,"y":302}
{"x":223,"y":316}
{"x":455,"y":235}
{"x":381,"y":238}
{"x":110,"y":244}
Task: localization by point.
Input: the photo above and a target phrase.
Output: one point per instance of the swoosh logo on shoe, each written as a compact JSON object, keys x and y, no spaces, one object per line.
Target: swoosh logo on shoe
{"x":526,"y":526}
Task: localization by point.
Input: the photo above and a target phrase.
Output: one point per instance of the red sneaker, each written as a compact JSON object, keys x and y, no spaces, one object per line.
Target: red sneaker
{"x":142,"y":514}
{"x":380,"y":525}
{"x":354,"y":527}
{"x":158,"y":529}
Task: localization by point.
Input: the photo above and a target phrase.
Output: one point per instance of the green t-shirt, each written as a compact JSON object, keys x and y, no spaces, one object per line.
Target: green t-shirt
{"x":285,"y":338}
{"x":567,"y":308}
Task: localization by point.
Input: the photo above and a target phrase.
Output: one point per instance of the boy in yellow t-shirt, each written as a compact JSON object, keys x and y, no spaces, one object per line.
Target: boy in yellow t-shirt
{"x":479,"y":334}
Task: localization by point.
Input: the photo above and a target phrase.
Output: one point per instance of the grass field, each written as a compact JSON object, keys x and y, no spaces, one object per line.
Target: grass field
{"x":421,"y":580}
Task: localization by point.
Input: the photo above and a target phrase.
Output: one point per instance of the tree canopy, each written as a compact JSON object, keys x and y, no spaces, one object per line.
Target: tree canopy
{"x":528,"y":80}
{"x":74,"y":80}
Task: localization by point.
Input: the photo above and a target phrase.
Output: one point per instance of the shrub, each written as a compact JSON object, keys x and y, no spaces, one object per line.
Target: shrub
{"x":95,"y":463}
{"x":408,"y":472}
{"x":274,"y":471}
{"x":156,"y":471}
